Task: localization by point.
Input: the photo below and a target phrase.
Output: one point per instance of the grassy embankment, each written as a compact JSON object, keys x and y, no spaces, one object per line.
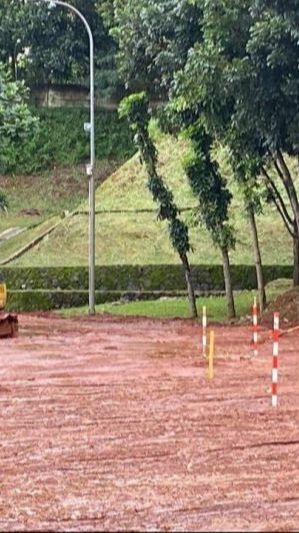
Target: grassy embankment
{"x":132,"y":237}
{"x":48,"y":175}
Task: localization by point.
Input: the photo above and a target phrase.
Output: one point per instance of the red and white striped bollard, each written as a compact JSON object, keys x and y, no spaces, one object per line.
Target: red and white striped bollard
{"x":255,"y":328}
{"x":204,"y":331}
{"x":275,"y":359}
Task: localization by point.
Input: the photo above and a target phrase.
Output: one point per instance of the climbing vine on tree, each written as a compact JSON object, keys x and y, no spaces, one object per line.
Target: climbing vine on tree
{"x":209,"y":187}
{"x":136,"y":108}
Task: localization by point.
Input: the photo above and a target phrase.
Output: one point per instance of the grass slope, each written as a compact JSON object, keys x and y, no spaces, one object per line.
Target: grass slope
{"x":139,"y":238}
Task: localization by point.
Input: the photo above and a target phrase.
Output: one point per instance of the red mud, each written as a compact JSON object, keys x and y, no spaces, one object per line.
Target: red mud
{"x":110,"y":424}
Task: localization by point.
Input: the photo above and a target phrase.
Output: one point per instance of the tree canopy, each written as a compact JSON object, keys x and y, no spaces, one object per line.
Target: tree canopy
{"x":50,"y":46}
{"x":17,"y":123}
{"x":16,"y":119}
{"x":153,"y":38}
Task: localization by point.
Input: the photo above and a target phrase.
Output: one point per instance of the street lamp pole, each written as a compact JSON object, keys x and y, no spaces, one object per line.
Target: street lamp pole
{"x":90,"y":168}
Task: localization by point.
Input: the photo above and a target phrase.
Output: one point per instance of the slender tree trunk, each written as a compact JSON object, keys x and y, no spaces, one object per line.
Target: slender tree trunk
{"x":258,"y":261}
{"x":13,"y":67}
{"x":190,"y":288}
{"x":231,"y":312}
{"x":296,"y":257}
{"x":286,"y":177}
{"x":289,"y":186}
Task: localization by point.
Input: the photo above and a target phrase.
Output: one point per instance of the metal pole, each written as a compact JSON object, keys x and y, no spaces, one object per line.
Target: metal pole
{"x":92,"y":187}
{"x":91,"y":166}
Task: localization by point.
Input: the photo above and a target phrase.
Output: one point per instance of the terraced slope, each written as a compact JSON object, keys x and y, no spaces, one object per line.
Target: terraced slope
{"x":128,"y":231}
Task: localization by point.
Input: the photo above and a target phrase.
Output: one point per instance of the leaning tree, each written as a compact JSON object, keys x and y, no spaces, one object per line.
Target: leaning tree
{"x":209,"y":187}
{"x":136,"y":109}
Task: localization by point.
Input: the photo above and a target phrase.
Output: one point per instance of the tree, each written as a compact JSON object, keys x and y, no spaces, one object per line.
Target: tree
{"x":16,"y":120}
{"x":243,"y":75}
{"x":274,"y":50}
{"x":209,"y":187}
{"x":246,"y":170}
{"x":54,"y":45}
{"x":12,"y":32}
{"x":135,"y":108}
{"x":153,"y":38}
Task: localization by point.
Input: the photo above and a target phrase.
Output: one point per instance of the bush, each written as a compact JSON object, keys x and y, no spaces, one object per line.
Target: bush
{"x":43,"y":300}
{"x":128,"y":278}
{"x":60,"y":139}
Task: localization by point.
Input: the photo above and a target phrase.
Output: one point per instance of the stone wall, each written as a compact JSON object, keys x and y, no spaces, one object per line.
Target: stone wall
{"x":67,"y":96}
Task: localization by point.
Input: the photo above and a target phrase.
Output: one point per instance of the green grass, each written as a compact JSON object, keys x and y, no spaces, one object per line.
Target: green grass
{"x":139,"y":238}
{"x":126,"y":189}
{"x":178,"y":307}
{"x":52,"y":192}
{"x":61,"y":150}
{"x":132,"y":237}
{"x":11,"y":246}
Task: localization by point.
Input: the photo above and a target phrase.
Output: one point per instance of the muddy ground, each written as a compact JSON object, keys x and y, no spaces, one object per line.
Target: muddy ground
{"x":111,"y":424}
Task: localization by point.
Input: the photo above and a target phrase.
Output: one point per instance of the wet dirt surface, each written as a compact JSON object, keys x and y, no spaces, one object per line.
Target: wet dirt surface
{"x":110,"y":424}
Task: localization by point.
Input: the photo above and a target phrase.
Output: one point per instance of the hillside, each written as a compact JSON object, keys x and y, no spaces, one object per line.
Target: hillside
{"x":138,"y":237}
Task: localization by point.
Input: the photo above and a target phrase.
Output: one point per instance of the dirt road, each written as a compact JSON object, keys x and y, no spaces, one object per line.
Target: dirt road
{"x":110,"y":424}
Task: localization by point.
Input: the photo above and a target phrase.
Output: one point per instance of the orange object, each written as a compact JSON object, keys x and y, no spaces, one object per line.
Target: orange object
{"x":3,"y":294}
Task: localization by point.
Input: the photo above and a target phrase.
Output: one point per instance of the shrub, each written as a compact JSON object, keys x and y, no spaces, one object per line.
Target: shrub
{"x":60,"y":139}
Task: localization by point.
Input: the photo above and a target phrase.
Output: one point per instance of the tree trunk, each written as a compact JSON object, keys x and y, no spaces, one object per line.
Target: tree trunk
{"x":190,"y":289}
{"x":296,"y":257}
{"x":13,"y":67}
{"x":290,"y":187}
{"x":231,"y":312}
{"x":258,"y":261}
{"x":289,"y":184}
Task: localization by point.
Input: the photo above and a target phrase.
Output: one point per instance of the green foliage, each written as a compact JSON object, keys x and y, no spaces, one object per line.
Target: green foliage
{"x":246,"y":168}
{"x":12,"y":32}
{"x":17,"y":124}
{"x":76,"y":302}
{"x":209,"y":187}
{"x":177,"y":115}
{"x":135,"y":108}
{"x":72,"y":303}
{"x":46,"y":300}
{"x":50,"y":45}
{"x":136,"y":278}
{"x":154,"y":37}
{"x":243,"y":75}
{"x":16,"y":120}
{"x":258,"y":71}
{"x":60,"y":139}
